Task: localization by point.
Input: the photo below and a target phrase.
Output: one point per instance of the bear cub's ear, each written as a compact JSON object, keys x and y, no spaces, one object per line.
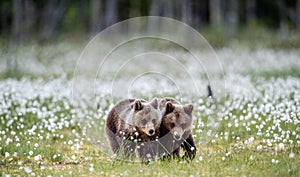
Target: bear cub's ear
{"x":154,"y":103}
{"x":169,"y":107}
{"x":137,"y":105}
{"x":188,"y":109}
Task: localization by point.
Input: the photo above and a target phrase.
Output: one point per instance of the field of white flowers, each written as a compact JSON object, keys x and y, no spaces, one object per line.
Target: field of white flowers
{"x":49,"y":127}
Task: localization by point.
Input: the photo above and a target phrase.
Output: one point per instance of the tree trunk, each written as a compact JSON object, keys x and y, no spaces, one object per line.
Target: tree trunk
{"x":168,"y":11}
{"x":163,"y":8}
{"x":186,"y":11}
{"x":53,"y":15}
{"x":155,"y":8}
{"x":154,"y":11}
{"x":232,"y":16}
{"x":197,"y":15}
{"x":17,"y":20}
{"x":11,"y":59}
{"x":215,"y":12}
{"x":96,"y":24}
{"x":111,"y":12}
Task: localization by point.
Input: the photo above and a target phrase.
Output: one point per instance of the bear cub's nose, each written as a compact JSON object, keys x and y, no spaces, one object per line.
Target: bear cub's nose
{"x":151,"y":132}
{"x":177,"y":137}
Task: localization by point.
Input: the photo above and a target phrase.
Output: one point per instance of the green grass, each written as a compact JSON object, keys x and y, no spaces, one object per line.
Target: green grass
{"x":222,"y":157}
{"x":211,"y":160}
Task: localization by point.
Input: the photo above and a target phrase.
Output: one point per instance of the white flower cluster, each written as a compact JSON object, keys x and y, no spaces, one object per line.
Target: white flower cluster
{"x":253,"y":109}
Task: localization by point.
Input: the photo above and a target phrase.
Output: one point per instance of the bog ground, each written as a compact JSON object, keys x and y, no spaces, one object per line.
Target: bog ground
{"x":254,"y":130}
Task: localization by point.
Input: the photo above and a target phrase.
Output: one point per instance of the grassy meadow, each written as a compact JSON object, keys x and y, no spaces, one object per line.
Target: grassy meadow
{"x":253,"y":128}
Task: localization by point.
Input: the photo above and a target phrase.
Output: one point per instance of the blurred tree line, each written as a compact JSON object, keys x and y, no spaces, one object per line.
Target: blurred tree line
{"x":22,"y":20}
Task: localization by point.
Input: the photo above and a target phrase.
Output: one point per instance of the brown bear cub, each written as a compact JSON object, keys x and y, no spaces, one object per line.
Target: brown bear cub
{"x":130,"y":123}
{"x":176,"y":129}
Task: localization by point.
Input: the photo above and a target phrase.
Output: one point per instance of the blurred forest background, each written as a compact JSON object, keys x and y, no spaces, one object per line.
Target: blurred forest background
{"x":24,"y":20}
{"x":255,"y":23}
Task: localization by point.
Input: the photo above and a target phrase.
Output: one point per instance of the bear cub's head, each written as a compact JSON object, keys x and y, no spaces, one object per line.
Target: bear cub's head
{"x":146,"y":117}
{"x":178,"y":119}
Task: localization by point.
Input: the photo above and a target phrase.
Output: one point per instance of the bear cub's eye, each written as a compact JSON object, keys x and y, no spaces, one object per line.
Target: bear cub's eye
{"x":172,"y":125}
{"x":144,"y":121}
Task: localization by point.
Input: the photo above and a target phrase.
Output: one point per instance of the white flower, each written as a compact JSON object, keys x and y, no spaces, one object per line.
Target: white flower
{"x":27,"y":169}
{"x":13,"y":133}
{"x":292,"y":155}
{"x":30,"y":153}
{"x":36,"y":145}
{"x":281,"y":146}
{"x":6,"y":154}
{"x":37,"y":158}
{"x":148,"y":155}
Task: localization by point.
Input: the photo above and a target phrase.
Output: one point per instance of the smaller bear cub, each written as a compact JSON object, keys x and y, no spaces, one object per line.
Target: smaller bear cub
{"x":176,"y":129}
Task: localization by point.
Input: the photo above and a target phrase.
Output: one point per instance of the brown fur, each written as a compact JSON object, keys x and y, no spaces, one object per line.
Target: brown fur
{"x":175,"y":129}
{"x":131,"y":121}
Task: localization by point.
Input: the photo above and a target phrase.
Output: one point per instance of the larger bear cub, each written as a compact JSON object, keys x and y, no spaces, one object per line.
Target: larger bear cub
{"x":132,"y":120}
{"x":176,"y":129}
